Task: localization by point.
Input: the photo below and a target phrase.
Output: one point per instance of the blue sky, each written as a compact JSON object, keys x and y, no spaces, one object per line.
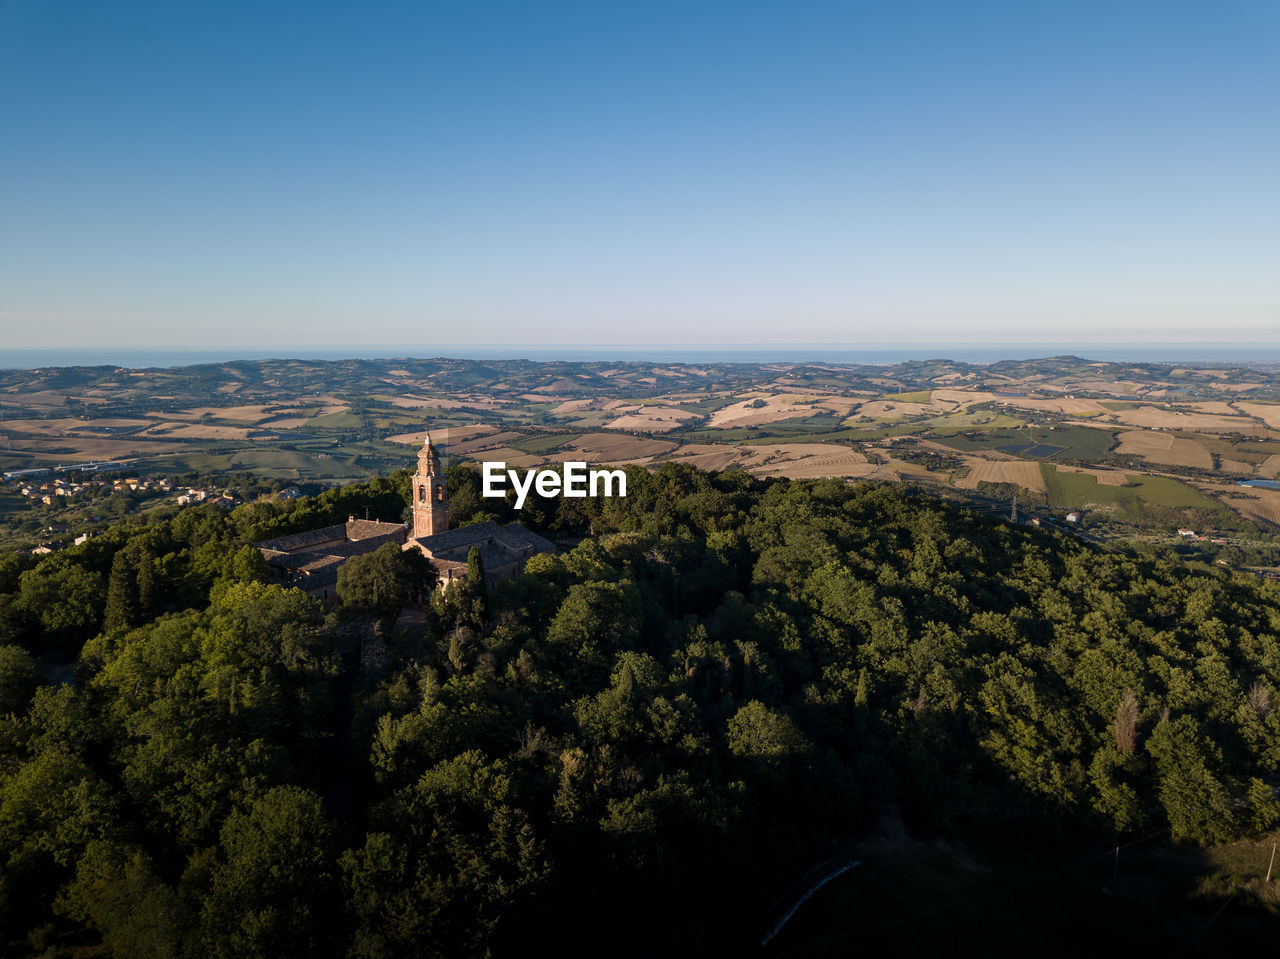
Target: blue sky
{"x":247,"y":174}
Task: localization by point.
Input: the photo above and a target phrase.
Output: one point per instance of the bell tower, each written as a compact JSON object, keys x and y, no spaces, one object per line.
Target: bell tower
{"x":430,"y":501}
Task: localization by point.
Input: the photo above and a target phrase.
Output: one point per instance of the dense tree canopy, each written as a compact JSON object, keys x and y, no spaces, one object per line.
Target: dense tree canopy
{"x":652,"y":731}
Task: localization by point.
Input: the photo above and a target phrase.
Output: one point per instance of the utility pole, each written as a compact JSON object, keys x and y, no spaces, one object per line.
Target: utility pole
{"x":1115,"y":875}
{"x":1272,"y":862}
{"x":1013,"y":510}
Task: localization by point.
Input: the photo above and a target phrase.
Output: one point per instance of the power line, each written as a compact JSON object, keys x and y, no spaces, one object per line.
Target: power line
{"x":981,"y":895}
{"x":1187,"y":945}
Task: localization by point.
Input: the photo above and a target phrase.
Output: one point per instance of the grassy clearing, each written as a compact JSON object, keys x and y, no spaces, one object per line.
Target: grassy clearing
{"x":919,"y":396}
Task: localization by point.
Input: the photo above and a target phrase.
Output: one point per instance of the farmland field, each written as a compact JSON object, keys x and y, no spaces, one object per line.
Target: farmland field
{"x":1258,"y":504}
{"x":1008,"y":424}
{"x":1153,"y":417}
{"x":1019,"y":472}
{"x":1071,"y":490}
{"x":1161,"y":447}
{"x":1076,"y":442}
{"x":1037,"y":450}
{"x":1269,"y":413}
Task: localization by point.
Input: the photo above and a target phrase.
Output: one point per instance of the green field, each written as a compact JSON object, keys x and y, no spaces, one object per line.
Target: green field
{"x":709,"y":405}
{"x":916,"y":396}
{"x":269,"y":461}
{"x":543,"y":443}
{"x":1081,"y":442}
{"x":1077,"y":490}
{"x":975,"y":419}
{"x":336,"y":421}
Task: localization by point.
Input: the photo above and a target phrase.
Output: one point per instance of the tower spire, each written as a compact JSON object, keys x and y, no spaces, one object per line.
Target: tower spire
{"x":430,"y":500}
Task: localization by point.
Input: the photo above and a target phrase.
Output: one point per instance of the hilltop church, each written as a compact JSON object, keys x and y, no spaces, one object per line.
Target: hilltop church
{"x":311,"y":560}
{"x":504,"y":548}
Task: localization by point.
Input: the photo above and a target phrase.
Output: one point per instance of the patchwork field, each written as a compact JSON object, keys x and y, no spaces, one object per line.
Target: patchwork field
{"x":1269,"y":413}
{"x":1159,"y":447}
{"x":961,"y":399}
{"x":73,"y":449}
{"x":652,"y":419}
{"x":1068,"y":406}
{"x":199,"y":431}
{"x":1152,"y":417}
{"x":706,"y":456}
{"x":1101,"y":477}
{"x":1257,"y":504}
{"x":757,"y":411}
{"x":806,"y":460}
{"x":1079,"y":490}
{"x":246,"y":414}
{"x":894,"y":410}
{"x":613,"y":448}
{"x":1075,"y":432}
{"x":70,"y":426}
{"x":1018,"y":472}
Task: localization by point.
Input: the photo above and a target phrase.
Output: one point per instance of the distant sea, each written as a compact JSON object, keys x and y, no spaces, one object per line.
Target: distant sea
{"x":877,"y":354}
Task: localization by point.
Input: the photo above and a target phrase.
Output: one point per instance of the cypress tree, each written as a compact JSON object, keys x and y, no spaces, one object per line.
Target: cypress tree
{"x":147,"y":588}
{"x":476,"y":585}
{"x":122,"y":601}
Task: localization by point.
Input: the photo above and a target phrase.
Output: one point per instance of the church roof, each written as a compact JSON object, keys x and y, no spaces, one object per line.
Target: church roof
{"x":511,"y":536}
{"x":312,"y":559}
{"x":300,"y":541}
{"x":353,"y":530}
{"x":358,"y":529}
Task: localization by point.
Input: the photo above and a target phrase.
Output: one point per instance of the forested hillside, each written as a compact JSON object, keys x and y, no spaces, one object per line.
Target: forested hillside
{"x":632,"y":749}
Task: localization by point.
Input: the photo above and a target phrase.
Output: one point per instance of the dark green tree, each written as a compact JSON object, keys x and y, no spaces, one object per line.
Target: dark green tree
{"x":122,"y":593}
{"x":476,"y":583}
{"x":19,"y":677}
{"x":274,"y":888}
{"x":380,"y":583}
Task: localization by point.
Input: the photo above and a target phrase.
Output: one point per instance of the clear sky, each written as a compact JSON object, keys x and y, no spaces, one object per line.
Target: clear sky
{"x":205,"y":174}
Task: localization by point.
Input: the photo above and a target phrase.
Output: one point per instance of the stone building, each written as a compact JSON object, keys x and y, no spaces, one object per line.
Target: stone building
{"x":310,"y":561}
{"x":504,"y":548}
